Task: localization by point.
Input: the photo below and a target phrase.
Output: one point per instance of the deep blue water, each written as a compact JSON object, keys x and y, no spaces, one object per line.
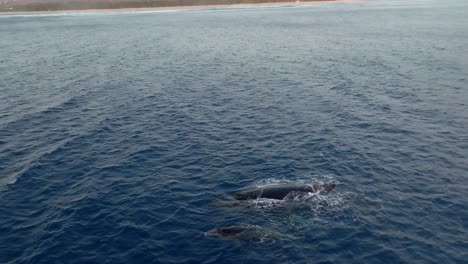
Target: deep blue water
{"x":121,"y":133}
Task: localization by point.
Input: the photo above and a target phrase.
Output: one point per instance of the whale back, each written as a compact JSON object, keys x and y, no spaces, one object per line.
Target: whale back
{"x":279,"y":191}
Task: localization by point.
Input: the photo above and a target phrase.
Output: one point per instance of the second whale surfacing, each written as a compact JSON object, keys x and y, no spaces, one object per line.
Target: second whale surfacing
{"x":282,"y":191}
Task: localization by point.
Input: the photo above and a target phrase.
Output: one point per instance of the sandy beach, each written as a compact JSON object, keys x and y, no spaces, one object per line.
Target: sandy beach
{"x":136,"y":9}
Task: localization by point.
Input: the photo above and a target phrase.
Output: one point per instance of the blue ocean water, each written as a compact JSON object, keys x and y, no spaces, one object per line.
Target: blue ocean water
{"x":121,"y":133}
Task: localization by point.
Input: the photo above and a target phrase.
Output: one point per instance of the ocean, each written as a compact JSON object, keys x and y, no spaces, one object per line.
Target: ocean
{"x":124,"y":133}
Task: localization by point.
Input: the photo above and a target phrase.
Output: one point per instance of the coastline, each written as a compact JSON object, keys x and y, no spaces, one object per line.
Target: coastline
{"x":142,"y":9}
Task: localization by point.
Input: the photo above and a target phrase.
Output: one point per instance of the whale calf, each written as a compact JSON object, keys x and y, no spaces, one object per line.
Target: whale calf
{"x":246,"y":232}
{"x":281,"y":191}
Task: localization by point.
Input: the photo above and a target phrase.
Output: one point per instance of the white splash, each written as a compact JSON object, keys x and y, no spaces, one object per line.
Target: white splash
{"x":13,"y":181}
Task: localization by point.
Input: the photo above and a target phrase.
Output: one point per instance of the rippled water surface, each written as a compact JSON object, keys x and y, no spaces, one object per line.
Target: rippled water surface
{"x":122,"y":133}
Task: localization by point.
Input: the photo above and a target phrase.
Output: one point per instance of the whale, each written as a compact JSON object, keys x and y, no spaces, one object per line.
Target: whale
{"x":282,"y":191}
{"x":246,"y":232}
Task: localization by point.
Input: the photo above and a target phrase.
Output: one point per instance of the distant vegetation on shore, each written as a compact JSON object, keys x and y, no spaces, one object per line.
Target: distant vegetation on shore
{"x":58,"y":5}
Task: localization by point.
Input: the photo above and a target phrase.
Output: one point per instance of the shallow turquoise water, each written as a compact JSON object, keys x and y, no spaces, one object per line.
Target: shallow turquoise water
{"x":122,"y":133}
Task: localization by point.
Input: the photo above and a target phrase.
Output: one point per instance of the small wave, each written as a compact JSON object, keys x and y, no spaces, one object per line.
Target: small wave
{"x":66,"y":104}
{"x":264,"y":203}
{"x":170,"y":217}
{"x":34,"y":159}
{"x":13,"y":181}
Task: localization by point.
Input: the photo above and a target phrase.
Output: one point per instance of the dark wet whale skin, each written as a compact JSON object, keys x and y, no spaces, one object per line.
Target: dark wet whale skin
{"x":226,"y":231}
{"x":279,"y":191}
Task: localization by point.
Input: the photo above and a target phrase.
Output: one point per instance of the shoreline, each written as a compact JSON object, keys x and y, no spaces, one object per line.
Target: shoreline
{"x":138,"y":9}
